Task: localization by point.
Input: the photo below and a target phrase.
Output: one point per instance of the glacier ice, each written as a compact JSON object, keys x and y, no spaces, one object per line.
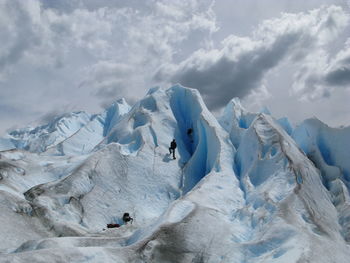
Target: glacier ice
{"x":245,"y":188}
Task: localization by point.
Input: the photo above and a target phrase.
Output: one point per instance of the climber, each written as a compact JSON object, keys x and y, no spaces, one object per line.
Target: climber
{"x":172,"y":148}
{"x":127,"y":218}
{"x":190,"y":134}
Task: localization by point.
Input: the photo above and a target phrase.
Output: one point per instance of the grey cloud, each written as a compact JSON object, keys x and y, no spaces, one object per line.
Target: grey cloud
{"x":51,"y":115}
{"x":7,"y":110}
{"x":107,"y":81}
{"x":46,"y":45}
{"x":61,"y":29}
{"x":321,"y":74}
{"x":14,"y":116}
{"x":16,"y":43}
{"x":338,"y":73}
{"x":108,"y":95}
{"x":107,"y":92}
{"x":68,"y":6}
{"x":346,"y":60}
{"x":241,"y":65}
{"x":339,"y":76}
{"x":85,"y":53}
{"x":228,"y":78}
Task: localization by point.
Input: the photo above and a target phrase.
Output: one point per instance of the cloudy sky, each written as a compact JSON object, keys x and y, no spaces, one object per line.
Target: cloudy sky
{"x":59,"y":56}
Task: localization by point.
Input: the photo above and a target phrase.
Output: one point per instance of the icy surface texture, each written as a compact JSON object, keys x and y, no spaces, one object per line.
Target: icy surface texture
{"x":329,"y":149}
{"x":243,"y":188}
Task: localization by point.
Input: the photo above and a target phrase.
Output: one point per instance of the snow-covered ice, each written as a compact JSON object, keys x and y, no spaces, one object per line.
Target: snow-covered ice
{"x":244,"y":187}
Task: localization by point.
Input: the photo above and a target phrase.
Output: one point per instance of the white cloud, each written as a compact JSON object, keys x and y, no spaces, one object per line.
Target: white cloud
{"x":16,"y":33}
{"x":321,"y":74}
{"x":79,"y":55}
{"x":338,"y":72}
{"x":241,"y":64}
{"x":73,"y":53}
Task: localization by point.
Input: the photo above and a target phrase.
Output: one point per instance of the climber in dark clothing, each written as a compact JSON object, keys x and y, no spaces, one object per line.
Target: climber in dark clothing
{"x":172,"y":148}
{"x":190,"y":134}
{"x":127,"y":218}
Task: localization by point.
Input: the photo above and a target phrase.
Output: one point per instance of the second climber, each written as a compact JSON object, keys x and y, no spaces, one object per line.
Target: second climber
{"x":172,"y":148}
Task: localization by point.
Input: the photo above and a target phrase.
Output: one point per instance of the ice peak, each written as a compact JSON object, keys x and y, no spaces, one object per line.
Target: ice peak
{"x":118,"y":104}
{"x":153,"y":90}
{"x":114,"y":113}
{"x":265,"y":110}
{"x":121,"y":101}
{"x":236,"y":102}
{"x":180,"y":88}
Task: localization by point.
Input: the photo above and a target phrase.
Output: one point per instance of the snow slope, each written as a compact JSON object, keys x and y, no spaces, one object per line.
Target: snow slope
{"x":40,"y":138}
{"x":92,"y":133}
{"x":240,"y":190}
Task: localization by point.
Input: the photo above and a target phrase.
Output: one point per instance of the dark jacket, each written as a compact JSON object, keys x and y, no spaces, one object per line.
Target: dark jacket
{"x":173,"y":145}
{"x":127,"y":218}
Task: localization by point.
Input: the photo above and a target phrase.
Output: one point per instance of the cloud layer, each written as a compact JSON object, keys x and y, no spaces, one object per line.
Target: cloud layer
{"x":323,"y":73}
{"x":241,"y":64}
{"x":84,"y":54}
{"x":66,"y":55}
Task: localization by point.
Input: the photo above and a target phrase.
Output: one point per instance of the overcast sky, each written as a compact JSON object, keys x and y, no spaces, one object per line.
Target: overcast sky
{"x":292,"y":56}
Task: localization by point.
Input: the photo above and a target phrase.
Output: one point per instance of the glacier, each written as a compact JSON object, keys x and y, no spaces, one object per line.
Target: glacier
{"x":245,"y":187}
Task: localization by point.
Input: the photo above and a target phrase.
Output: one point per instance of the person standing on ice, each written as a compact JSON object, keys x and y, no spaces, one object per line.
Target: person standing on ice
{"x":172,"y":148}
{"x":190,"y":134}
